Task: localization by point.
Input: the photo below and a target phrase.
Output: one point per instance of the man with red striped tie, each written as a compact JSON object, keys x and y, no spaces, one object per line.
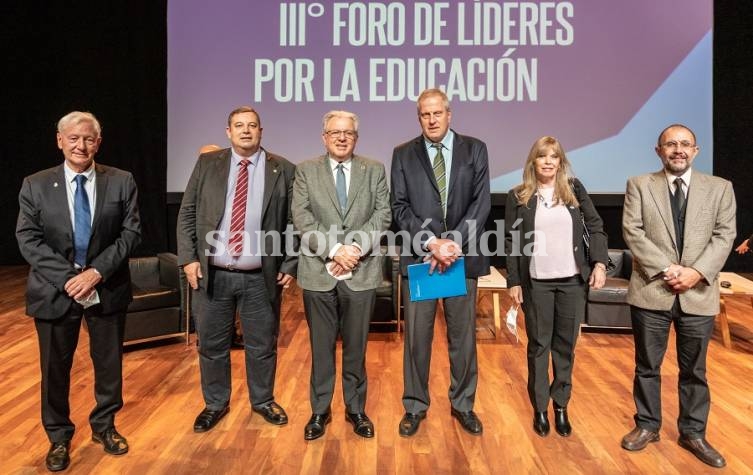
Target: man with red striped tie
{"x":234,"y":214}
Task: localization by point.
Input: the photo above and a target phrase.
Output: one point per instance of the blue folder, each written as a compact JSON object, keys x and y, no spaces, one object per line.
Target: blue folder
{"x":450,"y":283}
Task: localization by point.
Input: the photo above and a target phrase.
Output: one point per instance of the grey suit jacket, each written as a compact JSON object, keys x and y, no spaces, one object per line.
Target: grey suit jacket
{"x":204,"y":204}
{"x":316,"y":211}
{"x":45,"y":238}
{"x":650,"y":234}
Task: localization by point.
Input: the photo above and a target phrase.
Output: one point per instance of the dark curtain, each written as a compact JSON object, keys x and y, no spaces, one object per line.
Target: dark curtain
{"x":108,"y":58}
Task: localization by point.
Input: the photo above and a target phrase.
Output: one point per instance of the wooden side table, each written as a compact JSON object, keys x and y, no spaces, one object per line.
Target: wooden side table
{"x":740,"y":286}
{"x":494,"y":282}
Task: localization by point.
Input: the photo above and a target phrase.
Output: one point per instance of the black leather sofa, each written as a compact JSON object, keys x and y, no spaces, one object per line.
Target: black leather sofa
{"x":607,"y":307}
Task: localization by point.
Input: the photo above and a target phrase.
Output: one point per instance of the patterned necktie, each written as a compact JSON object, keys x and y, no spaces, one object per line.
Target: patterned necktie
{"x":679,"y":196}
{"x":440,"y":174}
{"x":342,"y":195}
{"x":82,"y":215}
{"x":238,"y":215}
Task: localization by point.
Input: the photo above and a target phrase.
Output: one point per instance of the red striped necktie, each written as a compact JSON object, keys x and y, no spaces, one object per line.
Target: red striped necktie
{"x":238,"y":215}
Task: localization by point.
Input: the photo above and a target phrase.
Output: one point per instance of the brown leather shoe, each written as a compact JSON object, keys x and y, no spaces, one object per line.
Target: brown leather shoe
{"x":114,"y":443}
{"x":703,"y":450}
{"x":638,"y":439}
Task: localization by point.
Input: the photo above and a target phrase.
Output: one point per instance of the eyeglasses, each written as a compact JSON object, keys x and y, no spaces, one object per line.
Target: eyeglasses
{"x":336,"y":134}
{"x":680,"y":144}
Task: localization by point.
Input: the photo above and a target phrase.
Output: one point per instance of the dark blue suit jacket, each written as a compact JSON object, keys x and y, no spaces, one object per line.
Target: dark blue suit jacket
{"x":415,"y":198}
{"x":45,"y":238}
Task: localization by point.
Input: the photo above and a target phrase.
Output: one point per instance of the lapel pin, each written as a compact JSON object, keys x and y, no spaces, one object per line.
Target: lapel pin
{"x":55,"y":185}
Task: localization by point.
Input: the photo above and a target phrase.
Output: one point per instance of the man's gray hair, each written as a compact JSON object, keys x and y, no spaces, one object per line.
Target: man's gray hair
{"x":339,"y":113}
{"x":75,"y":118}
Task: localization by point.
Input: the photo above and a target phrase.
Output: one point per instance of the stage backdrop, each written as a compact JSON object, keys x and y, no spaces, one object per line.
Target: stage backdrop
{"x":603,"y":77}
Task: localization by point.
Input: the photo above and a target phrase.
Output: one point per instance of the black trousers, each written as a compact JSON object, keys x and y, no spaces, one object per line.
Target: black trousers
{"x":348,"y":313}
{"x":554,"y":309}
{"x":651,"y":334}
{"x":58,"y":340}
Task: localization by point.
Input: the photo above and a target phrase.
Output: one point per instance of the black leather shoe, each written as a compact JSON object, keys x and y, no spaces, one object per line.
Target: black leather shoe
{"x":58,"y":457}
{"x":316,"y":426}
{"x":541,"y":423}
{"x":272,"y":413}
{"x":561,"y":421}
{"x":638,"y":439}
{"x":209,"y":418}
{"x":361,"y":424}
{"x":410,"y":422}
{"x":468,"y":421}
{"x":114,"y":443}
{"x":703,"y":450}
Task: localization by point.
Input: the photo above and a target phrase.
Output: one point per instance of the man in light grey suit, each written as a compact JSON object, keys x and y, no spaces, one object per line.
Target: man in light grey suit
{"x":341,"y":206}
{"x":680,"y":225}
{"x":235,"y":196}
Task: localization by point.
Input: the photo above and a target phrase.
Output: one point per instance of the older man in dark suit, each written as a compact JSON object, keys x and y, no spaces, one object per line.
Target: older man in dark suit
{"x":77,"y":224}
{"x":440,"y":191}
{"x":234,"y":213}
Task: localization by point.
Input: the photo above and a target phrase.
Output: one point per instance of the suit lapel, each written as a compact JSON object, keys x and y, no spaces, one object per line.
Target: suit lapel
{"x":420,"y":151}
{"x":660,"y":194}
{"x":328,"y":182}
{"x":357,"y":175}
{"x":59,"y":203}
{"x":459,"y":158}
{"x":102,"y":180}
{"x":216,"y":179}
{"x":271,"y":175}
{"x":698,"y":191}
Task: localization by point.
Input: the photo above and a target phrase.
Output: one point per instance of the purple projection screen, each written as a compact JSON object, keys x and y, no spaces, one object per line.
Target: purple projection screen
{"x":603,"y":77}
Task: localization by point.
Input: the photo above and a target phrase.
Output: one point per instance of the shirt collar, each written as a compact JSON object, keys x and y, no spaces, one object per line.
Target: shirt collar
{"x":236,"y":159}
{"x":446,"y":142}
{"x":685,"y":177}
{"x":333,"y":163}
{"x":70,"y":175}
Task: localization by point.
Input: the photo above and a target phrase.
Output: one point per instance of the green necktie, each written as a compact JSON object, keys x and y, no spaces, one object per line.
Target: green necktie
{"x":440,"y":174}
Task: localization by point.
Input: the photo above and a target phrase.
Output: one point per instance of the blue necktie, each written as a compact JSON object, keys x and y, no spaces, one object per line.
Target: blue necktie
{"x":342,"y":195}
{"x":82,"y":229}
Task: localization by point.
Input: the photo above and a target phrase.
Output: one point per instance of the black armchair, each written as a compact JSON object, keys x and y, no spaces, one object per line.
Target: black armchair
{"x":156,"y":311}
{"x":387,"y":305}
{"x":607,"y":307}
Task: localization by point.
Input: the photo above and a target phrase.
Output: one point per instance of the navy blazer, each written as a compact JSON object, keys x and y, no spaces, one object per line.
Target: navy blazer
{"x":518,"y":266}
{"x":45,"y":238}
{"x":417,"y":207}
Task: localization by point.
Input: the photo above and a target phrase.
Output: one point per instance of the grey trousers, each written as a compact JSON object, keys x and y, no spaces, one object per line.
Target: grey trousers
{"x":348,"y":313}
{"x":460,"y":315}
{"x":246,"y":293}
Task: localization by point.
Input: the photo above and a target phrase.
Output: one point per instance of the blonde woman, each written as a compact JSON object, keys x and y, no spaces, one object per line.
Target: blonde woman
{"x":549,"y":272}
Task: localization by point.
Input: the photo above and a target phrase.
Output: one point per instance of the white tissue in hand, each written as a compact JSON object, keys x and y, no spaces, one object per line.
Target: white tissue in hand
{"x":512,"y":321}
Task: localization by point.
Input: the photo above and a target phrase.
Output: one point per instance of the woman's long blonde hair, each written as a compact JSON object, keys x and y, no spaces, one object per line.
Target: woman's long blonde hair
{"x":563,"y":190}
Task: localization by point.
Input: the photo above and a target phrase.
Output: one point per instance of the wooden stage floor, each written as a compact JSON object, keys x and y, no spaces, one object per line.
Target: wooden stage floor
{"x":162,"y":398}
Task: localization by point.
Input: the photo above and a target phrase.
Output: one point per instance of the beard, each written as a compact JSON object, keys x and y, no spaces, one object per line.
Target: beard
{"x":676,"y":166}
